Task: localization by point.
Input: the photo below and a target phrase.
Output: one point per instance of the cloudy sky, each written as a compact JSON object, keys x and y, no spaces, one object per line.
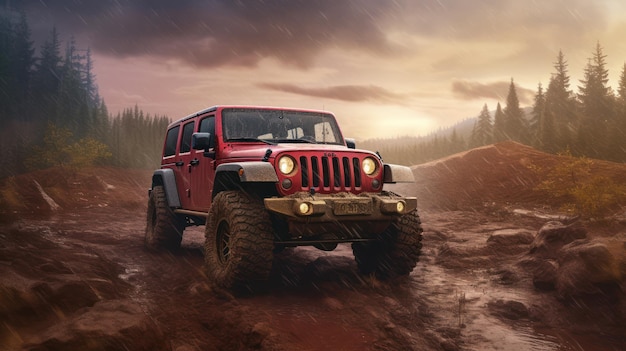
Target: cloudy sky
{"x":385,"y":68}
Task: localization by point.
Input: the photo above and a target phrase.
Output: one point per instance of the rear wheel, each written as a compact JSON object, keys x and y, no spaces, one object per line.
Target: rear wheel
{"x":397,"y":250}
{"x":239,"y":244}
{"x":164,"y":228}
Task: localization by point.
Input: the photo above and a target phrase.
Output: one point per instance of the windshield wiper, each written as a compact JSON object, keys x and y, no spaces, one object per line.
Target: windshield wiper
{"x":252,"y":139}
{"x":308,"y":141}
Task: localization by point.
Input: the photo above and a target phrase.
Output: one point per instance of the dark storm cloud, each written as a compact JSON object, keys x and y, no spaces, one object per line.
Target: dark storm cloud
{"x":229,"y":32}
{"x":219,"y":32}
{"x":497,"y":90}
{"x":353,"y":93}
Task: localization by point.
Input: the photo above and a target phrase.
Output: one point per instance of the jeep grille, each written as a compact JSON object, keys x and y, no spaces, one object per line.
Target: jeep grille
{"x":330,"y":173}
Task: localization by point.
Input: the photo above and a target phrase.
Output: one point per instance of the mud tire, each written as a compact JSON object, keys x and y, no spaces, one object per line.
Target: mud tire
{"x":395,"y":253}
{"x":164,"y":228}
{"x":238,"y":250}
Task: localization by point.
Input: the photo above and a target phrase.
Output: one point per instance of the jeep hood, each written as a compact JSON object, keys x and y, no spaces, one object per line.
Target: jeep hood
{"x":257,"y":151}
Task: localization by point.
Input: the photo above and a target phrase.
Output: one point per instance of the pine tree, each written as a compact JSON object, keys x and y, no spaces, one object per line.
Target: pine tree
{"x":16,"y":61}
{"x":6,"y":40}
{"x":596,"y":108}
{"x":47,"y":79}
{"x":537,"y":115}
{"x":560,"y":105}
{"x":514,"y":123}
{"x":547,"y":136}
{"x":483,"y":130}
{"x":618,"y":135}
{"x":499,"y":132}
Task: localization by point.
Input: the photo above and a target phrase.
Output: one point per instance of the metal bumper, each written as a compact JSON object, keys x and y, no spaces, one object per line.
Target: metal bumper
{"x":338,"y":207}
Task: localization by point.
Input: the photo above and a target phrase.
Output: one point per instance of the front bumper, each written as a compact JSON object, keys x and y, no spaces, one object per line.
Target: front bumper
{"x":321,"y":208}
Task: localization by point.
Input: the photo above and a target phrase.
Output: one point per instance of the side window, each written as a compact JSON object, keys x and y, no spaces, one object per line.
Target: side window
{"x":170,"y":142}
{"x":207,"y":125}
{"x":185,"y":141}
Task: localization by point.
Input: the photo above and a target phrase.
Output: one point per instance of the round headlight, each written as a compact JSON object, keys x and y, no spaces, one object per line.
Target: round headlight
{"x":368,"y":165}
{"x":286,"y":165}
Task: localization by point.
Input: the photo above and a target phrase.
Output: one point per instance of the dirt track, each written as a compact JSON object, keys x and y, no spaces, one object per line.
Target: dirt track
{"x":81,"y":279}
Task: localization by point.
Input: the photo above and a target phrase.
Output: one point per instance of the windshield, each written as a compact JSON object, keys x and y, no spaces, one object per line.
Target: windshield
{"x":278,"y":126}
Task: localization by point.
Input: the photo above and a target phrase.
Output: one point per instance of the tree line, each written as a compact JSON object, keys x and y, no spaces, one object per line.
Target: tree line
{"x":52,"y":114}
{"x":589,"y":122}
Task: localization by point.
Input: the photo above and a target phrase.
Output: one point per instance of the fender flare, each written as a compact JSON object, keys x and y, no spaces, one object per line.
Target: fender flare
{"x":167,"y":179}
{"x":252,"y":171}
{"x":397,"y":174}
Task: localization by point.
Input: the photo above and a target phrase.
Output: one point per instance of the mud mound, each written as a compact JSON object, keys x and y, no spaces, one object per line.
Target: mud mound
{"x":498,"y":173}
{"x":40,"y":193}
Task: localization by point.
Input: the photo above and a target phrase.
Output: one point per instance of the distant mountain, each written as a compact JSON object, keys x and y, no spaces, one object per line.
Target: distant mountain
{"x":463,"y":130}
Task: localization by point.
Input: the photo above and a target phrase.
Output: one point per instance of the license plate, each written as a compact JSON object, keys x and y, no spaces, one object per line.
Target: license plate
{"x":347,"y":208}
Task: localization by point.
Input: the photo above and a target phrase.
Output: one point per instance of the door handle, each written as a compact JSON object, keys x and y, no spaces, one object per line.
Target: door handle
{"x":180,"y":164}
{"x":194,"y":162}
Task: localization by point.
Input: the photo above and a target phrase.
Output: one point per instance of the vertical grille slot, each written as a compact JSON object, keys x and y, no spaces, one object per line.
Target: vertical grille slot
{"x":316,"y":172}
{"x":326,"y":171}
{"x":357,"y":172}
{"x":304,"y":166}
{"x":336,"y":173}
{"x":346,"y":172}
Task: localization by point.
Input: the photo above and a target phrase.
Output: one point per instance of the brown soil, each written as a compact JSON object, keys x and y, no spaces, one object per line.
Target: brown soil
{"x":79,"y":278}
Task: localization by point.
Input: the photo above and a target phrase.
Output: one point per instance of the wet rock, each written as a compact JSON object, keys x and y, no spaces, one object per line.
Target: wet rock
{"x":108,"y":325}
{"x":509,"y":237}
{"x":544,"y":274}
{"x":509,"y":241}
{"x":504,"y":275}
{"x":553,"y":236}
{"x":259,"y":332}
{"x":587,"y":268}
{"x":513,"y":310}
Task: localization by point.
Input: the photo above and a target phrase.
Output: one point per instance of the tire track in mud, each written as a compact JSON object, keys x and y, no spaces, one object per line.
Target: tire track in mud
{"x":317,"y":300}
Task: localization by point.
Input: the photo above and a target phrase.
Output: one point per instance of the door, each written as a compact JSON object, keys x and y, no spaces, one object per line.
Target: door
{"x":184,"y":165}
{"x":203,"y":169}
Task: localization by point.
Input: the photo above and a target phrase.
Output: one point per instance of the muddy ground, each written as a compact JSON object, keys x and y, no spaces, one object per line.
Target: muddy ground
{"x":79,"y":278}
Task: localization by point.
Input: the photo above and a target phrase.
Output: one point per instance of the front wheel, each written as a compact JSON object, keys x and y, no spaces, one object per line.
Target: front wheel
{"x":164,"y":228}
{"x":397,"y":250}
{"x":238,"y":250}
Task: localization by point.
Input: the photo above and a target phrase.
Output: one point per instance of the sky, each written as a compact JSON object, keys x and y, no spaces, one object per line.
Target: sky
{"x":384,"y":68}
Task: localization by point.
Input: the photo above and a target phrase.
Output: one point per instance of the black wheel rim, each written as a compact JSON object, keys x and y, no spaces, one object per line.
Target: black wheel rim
{"x":223,"y":242}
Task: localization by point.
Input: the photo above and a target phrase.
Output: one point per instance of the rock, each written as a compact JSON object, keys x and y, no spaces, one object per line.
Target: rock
{"x":510,"y":241}
{"x":504,"y":275}
{"x":587,"y":268}
{"x":508,"y":237}
{"x":545,"y":274}
{"x":553,"y":236}
{"x":108,"y":325}
{"x":513,"y":310}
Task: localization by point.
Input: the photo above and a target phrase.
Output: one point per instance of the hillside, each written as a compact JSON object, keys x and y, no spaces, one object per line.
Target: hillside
{"x":503,"y":173}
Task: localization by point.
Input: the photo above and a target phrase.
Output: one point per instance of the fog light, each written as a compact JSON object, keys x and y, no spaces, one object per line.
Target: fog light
{"x":304,"y":208}
{"x":375,"y":184}
{"x":400,"y":207}
{"x":286,"y":184}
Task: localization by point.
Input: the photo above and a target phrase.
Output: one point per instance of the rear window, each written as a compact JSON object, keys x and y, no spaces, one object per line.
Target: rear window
{"x":170,"y":142}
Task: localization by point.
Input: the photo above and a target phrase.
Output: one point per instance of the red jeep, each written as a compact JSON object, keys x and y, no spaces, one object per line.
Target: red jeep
{"x":264,"y":178}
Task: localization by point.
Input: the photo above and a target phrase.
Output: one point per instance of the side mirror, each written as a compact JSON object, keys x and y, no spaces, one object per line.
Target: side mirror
{"x":351,"y":143}
{"x":203,"y":141}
